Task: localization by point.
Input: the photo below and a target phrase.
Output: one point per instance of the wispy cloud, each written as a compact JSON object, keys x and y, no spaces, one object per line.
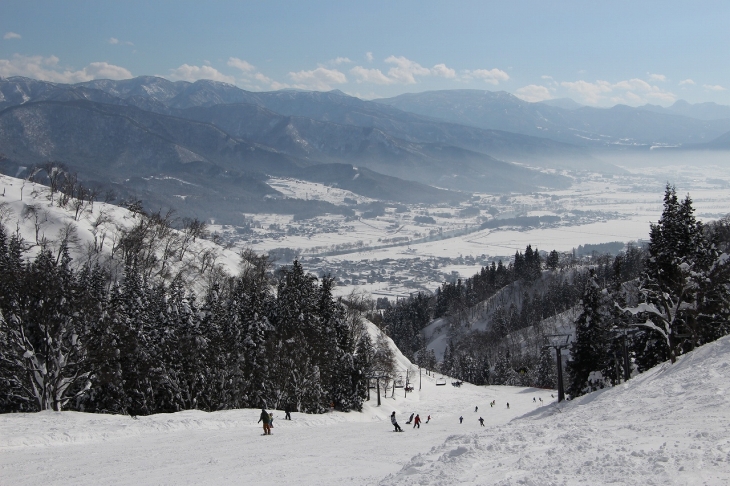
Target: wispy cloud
{"x":713,"y":87}
{"x":369,"y":56}
{"x":317,"y":79}
{"x":241,"y":65}
{"x":443,"y":71}
{"x":339,"y":60}
{"x":657,"y":77}
{"x":49,"y":69}
{"x":404,"y":70}
{"x":534,"y":93}
{"x":187,"y":72}
{"x":632,"y":91}
{"x":375,"y":76}
{"x":11,"y":35}
{"x":687,"y":82}
{"x":490,"y":76}
{"x":113,"y":40}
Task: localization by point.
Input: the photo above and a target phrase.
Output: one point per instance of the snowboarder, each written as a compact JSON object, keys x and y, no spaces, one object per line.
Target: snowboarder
{"x":417,"y":422}
{"x":461,"y":419}
{"x":476,"y":409}
{"x":533,"y":400}
{"x":507,"y":404}
{"x":481,"y":421}
{"x":265,"y":419}
{"x":395,"y":423}
{"x":287,"y":412}
{"x":428,"y":419}
{"x":410,"y":419}
{"x":540,"y":399}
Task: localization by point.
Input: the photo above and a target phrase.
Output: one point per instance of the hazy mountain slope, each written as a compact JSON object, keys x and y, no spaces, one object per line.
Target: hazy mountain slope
{"x":429,"y":163}
{"x":162,"y":96}
{"x":355,"y":138}
{"x":165,"y":161}
{"x":590,"y":127}
{"x":700,"y":111}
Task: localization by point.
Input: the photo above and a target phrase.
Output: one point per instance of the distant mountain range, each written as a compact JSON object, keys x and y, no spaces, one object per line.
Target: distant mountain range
{"x":208,"y":148}
{"x":605,"y":128}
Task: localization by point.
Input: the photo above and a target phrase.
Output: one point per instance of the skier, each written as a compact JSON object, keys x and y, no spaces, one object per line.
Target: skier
{"x":287,"y":412}
{"x":271,"y":421}
{"x":395,"y":423}
{"x":265,"y":419}
{"x":428,"y":419}
{"x":540,"y":399}
{"x":476,"y":409}
{"x":461,"y":419}
{"x":417,"y":422}
{"x":533,"y":400}
{"x":481,"y":421}
{"x":507,"y":404}
{"x":410,"y":419}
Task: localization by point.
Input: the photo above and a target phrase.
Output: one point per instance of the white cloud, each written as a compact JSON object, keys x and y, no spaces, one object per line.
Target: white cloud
{"x":339,"y":60}
{"x":187,"y":72}
{"x":632,"y":91}
{"x":240,"y":64}
{"x":592,"y":93}
{"x":545,"y":76}
{"x":369,"y":56}
{"x":686,"y":82}
{"x":715,"y":87}
{"x":443,"y":71}
{"x":534,"y":93}
{"x":104,"y":70}
{"x":404,"y":70}
{"x":48,"y":69}
{"x":320,"y":79}
{"x":491,"y":76}
{"x":113,"y":40}
{"x":657,"y":77}
{"x":374,"y":76}
{"x":11,"y":35}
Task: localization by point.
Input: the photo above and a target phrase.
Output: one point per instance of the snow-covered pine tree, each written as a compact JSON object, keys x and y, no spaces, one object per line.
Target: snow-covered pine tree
{"x":546,"y":375}
{"x":589,"y":350}
{"x":670,"y":284}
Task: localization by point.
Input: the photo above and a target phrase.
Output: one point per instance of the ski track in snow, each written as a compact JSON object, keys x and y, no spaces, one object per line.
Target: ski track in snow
{"x":667,"y":426}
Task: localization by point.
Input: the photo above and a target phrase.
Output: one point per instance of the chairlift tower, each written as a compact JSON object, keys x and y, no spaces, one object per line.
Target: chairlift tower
{"x":558,"y":342}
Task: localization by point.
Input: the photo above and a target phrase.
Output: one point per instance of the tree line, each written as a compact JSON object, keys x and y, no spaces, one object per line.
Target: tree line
{"x":76,"y":339}
{"x":663,"y":299}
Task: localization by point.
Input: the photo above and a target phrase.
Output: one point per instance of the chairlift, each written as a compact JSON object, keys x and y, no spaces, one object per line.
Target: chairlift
{"x":441,"y":381}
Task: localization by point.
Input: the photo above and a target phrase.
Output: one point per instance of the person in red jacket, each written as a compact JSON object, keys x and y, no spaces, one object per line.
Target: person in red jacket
{"x":417,"y":421}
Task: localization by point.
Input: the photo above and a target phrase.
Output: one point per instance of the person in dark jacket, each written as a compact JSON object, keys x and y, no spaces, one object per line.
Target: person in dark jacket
{"x":481,"y":421}
{"x":287,"y":412}
{"x":265,"y":419}
{"x":410,"y":419}
{"x":417,"y":422}
{"x":395,"y":423}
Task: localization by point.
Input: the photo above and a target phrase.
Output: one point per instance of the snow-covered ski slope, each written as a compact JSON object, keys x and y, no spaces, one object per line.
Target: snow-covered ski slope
{"x":668,"y":426}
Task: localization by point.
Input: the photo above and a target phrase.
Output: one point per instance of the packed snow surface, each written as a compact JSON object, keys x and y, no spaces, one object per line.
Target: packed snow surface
{"x":667,"y":426}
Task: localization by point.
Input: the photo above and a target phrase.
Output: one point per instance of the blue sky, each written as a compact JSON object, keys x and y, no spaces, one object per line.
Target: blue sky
{"x":598,"y":53}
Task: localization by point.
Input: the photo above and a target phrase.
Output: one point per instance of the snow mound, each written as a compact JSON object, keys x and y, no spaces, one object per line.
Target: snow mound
{"x":670,"y":425}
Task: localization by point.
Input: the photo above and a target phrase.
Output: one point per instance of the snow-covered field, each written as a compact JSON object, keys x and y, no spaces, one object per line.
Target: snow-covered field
{"x":670,"y":425}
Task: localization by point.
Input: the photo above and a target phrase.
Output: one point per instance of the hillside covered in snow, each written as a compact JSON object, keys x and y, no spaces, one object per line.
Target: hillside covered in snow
{"x":666,"y":426}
